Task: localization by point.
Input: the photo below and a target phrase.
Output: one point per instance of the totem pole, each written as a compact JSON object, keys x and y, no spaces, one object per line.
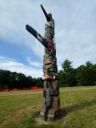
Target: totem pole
{"x":51,"y":101}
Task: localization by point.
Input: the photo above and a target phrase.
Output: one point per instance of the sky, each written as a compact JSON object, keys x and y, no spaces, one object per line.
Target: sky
{"x":75,"y":33}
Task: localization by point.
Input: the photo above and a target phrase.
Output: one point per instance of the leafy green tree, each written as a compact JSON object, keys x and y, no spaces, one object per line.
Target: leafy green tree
{"x":5,"y":78}
{"x":13,"y":80}
{"x":67,"y":74}
{"x":86,"y":74}
{"x":29,"y":82}
{"x":61,"y":78}
{"x":39,"y":82}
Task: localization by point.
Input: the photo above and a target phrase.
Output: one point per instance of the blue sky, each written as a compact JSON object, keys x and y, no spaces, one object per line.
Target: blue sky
{"x":75,"y":33}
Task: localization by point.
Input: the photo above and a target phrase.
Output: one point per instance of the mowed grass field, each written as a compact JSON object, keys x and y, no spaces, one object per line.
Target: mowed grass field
{"x":21,"y":109}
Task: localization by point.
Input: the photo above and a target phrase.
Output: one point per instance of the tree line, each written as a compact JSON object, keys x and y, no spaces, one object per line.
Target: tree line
{"x":83,"y":75}
{"x":12,"y":80}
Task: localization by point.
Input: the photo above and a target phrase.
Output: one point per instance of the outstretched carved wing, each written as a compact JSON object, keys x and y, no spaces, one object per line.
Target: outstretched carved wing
{"x":36,"y":35}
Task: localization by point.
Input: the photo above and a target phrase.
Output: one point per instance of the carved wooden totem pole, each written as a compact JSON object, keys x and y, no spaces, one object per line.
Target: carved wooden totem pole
{"x":51,"y":101}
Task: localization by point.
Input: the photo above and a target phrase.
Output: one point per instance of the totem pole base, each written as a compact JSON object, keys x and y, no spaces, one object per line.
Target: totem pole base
{"x":51,"y":101}
{"x":54,"y":110}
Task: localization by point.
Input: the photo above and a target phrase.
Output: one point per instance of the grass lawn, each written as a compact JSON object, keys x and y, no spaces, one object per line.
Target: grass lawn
{"x":21,"y":109}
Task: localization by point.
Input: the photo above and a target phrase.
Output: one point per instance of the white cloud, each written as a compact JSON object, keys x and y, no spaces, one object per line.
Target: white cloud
{"x":14,"y":16}
{"x":78,"y":47}
{"x":36,"y":64}
{"x":13,"y":65}
{"x":75,"y":28}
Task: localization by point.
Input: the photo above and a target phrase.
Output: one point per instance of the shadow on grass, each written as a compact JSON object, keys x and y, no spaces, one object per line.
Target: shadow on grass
{"x":36,"y":121}
{"x":76,"y":107}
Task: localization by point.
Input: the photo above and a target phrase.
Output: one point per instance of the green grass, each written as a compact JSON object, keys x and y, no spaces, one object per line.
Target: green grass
{"x":21,"y":109}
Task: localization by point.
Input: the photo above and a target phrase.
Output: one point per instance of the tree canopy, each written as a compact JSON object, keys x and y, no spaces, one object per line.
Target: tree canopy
{"x":83,"y":75}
